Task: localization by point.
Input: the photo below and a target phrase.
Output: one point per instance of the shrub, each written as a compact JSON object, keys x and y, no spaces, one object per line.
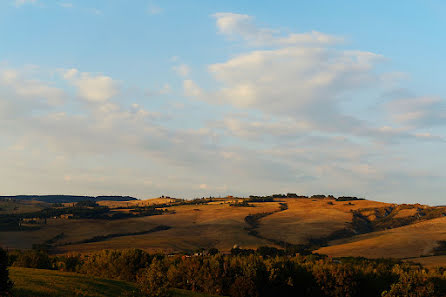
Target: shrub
{"x":153,"y":282}
{"x":5,"y":282}
{"x":33,"y":259}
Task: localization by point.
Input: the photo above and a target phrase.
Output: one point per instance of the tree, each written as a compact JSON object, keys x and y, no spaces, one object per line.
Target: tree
{"x":213,"y":251}
{"x":5,"y":282}
{"x":153,"y":281}
{"x":243,"y":287}
{"x":412,"y":285}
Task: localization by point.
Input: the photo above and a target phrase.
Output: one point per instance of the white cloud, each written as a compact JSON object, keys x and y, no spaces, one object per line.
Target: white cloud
{"x":191,"y":88}
{"x":166,"y":89}
{"x":293,"y":80}
{"x":31,"y":89}
{"x":154,"y":9}
{"x":283,"y":128}
{"x":22,"y":2}
{"x":182,"y":70}
{"x":66,"y":4}
{"x":93,"y":88}
{"x":242,"y":26}
{"x":418,"y":112}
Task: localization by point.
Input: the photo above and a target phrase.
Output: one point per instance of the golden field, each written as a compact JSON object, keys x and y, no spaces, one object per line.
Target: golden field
{"x":409,"y":241}
{"x":220,"y":225}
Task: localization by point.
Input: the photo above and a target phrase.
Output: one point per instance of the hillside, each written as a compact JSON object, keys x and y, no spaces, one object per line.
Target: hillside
{"x":409,"y":241}
{"x":336,"y":227}
{"x":49,"y":283}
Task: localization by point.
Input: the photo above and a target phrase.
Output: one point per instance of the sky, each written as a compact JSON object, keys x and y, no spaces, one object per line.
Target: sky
{"x":212,"y":98}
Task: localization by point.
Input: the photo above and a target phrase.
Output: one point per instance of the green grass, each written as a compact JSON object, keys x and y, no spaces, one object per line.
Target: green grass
{"x":49,"y":283}
{"x":40,"y":282}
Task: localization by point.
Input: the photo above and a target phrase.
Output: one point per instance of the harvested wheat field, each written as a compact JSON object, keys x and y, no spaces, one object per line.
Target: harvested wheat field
{"x":73,"y":231}
{"x":311,"y":218}
{"x":192,"y":227}
{"x":135,"y":203}
{"x":430,"y":262}
{"x":409,"y":241}
{"x":21,"y":206}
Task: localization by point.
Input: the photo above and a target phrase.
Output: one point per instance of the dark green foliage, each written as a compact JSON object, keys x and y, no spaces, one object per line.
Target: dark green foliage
{"x":213,"y":251}
{"x":87,"y":203}
{"x":9,"y":223}
{"x":114,"y":235}
{"x":283,"y":206}
{"x":318,"y":196}
{"x":263,"y":273}
{"x":440,"y":249}
{"x":153,"y":282}
{"x":119,"y":264}
{"x":243,"y":287}
{"x":253,"y":220}
{"x":33,"y":259}
{"x":82,"y":210}
{"x":268,"y":251}
{"x":244,"y":203}
{"x":348,"y":198}
{"x":67,"y":198}
{"x":385,"y":217}
{"x":5,"y":283}
{"x":412,"y":284}
{"x":260,"y":199}
{"x":241,"y":252}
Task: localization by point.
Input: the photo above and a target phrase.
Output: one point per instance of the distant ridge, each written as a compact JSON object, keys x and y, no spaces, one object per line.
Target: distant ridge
{"x":67,"y":198}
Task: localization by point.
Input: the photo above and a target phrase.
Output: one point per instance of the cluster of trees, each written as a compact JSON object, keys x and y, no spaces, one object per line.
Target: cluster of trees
{"x":66,"y":198}
{"x":294,"y":195}
{"x":348,"y":198}
{"x":5,"y":283}
{"x":265,"y":272}
{"x":86,"y":209}
{"x":440,"y":249}
{"x":243,"y":203}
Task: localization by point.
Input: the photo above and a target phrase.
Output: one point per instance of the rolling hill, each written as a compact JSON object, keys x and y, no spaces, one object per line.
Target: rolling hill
{"x":336,"y":227}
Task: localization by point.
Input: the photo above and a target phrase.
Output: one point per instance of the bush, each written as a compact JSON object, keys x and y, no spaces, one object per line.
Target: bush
{"x":119,"y":264}
{"x":412,"y":284}
{"x":5,"y":282}
{"x":153,"y":282}
{"x":243,"y":287}
{"x":33,"y":259}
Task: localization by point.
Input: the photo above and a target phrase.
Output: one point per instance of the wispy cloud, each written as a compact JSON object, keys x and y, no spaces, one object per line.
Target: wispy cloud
{"x":19,"y":3}
{"x":66,"y":4}
{"x":154,"y":9}
{"x":182,"y":70}
{"x":93,"y":88}
{"x":243,"y":26}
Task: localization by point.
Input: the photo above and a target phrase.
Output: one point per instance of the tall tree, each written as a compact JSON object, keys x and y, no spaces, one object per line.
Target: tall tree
{"x":5,"y":282}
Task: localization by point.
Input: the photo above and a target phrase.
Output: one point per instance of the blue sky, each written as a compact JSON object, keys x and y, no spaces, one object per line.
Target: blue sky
{"x":204,"y":98}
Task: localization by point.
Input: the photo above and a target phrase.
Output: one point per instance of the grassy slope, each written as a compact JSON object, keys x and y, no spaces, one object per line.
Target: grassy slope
{"x":430,"y":262}
{"x":310,"y":218}
{"x":220,"y":225}
{"x":193,"y":226}
{"x":409,"y":241}
{"x":21,"y":206}
{"x":49,"y":283}
{"x":39,"y":282}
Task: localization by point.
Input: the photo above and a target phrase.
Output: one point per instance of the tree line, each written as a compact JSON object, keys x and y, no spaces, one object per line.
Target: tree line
{"x":264,"y":272}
